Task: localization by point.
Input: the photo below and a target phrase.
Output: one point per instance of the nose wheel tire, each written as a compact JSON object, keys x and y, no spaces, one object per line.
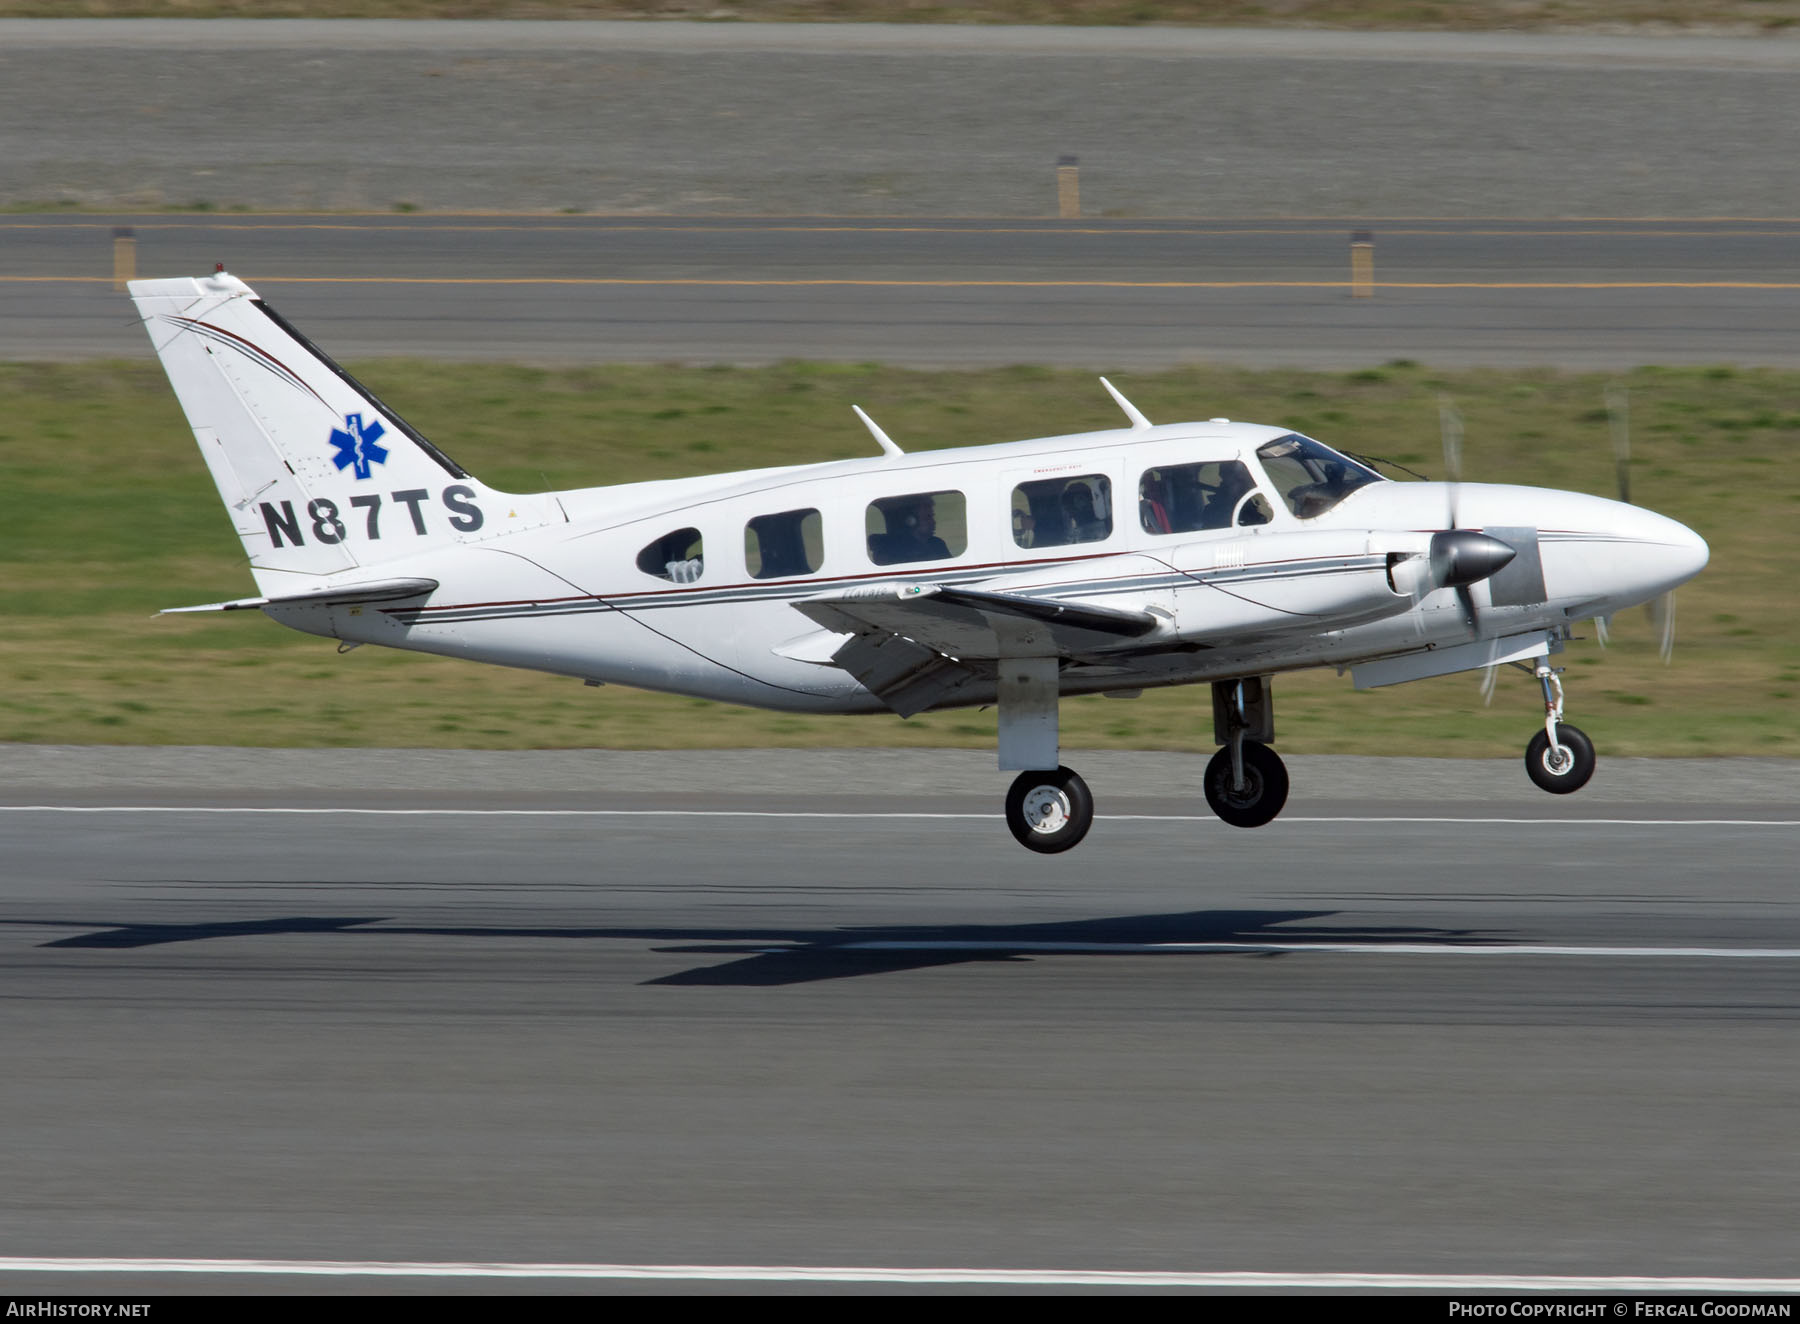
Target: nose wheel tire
{"x":1049,"y":811}
{"x":1264,"y":792}
{"x":1560,"y":771}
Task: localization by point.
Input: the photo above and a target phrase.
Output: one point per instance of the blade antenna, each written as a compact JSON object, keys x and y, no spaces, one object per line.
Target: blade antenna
{"x":881,"y":438}
{"x":1131,"y":410}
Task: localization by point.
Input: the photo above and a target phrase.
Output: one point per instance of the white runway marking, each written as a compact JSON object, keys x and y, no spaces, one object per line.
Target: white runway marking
{"x":743,"y":1273}
{"x":858,"y":817}
{"x":1339,"y":948}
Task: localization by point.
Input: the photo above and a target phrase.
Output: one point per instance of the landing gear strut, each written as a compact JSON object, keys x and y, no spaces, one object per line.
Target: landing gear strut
{"x":1246,"y":782}
{"x":1560,"y":758}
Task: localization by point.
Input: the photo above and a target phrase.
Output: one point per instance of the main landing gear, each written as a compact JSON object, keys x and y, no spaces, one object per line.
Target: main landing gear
{"x":1049,"y":808}
{"x":1246,"y":785}
{"x":1246,"y":782}
{"x":1049,"y":812}
{"x":1560,"y":758}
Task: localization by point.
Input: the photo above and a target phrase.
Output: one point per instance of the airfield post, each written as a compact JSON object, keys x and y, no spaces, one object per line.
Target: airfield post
{"x":1068,"y":187}
{"x":1362,"y":264}
{"x":124,"y":256}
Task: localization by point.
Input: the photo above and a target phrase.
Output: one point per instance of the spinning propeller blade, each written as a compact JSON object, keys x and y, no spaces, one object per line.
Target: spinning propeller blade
{"x":1490,"y":680}
{"x":1618,"y":415}
{"x":1451,"y":424}
{"x":1662,"y":616}
{"x":1661,"y":611}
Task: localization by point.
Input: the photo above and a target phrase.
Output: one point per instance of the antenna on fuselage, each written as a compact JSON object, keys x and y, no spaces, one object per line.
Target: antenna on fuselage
{"x":882,"y":439}
{"x":1131,"y":410}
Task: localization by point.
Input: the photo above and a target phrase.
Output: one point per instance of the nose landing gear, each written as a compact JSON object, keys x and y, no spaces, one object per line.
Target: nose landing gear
{"x":1560,"y":758}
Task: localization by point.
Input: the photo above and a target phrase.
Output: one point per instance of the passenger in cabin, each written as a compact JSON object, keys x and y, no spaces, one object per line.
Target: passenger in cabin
{"x":911,"y":532}
{"x":1084,"y":522}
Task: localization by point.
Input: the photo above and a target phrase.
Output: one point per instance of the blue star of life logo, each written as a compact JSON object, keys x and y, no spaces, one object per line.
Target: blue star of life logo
{"x":356,"y":448}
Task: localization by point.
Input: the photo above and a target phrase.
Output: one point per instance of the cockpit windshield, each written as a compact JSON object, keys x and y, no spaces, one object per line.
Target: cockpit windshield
{"x":1311,"y":477}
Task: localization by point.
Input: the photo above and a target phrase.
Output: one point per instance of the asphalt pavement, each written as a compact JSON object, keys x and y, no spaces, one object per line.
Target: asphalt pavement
{"x":843,"y":1029}
{"x":860,"y":119}
{"x":1098,"y":293}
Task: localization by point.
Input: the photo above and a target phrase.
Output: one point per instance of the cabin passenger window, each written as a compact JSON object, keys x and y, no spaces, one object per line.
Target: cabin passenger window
{"x":923,"y":526}
{"x":1184,"y":498}
{"x":777,"y":546}
{"x":1059,"y":511}
{"x":677,"y":557}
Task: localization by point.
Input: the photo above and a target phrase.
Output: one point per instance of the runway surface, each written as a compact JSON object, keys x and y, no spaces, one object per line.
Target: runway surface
{"x":1103,"y":293}
{"x":1482,"y":1031}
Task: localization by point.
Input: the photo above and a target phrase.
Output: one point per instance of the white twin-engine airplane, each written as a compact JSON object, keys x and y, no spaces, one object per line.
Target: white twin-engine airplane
{"x":1104,"y":562}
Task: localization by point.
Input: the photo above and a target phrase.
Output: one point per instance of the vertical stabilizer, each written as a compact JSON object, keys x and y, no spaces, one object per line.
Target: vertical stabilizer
{"x":318,"y":475}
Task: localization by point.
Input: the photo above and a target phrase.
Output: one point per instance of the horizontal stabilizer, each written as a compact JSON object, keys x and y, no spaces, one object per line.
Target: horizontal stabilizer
{"x":378,"y":590}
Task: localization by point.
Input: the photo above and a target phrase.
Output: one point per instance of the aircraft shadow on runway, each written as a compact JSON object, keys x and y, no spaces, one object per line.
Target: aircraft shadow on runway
{"x":792,"y":955}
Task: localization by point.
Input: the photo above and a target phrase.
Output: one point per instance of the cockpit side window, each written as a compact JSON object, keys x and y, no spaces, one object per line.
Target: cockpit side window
{"x":778,"y":546}
{"x":678,"y":557}
{"x":1184,"y":498}
{"x":1059,"y":511}
{"x":1311,"y":477}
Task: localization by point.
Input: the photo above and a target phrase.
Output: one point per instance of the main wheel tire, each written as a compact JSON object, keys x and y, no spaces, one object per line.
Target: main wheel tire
{"x":1573,"y":773}
{"x":1265,"y":786}
{"x":1049,"y":812}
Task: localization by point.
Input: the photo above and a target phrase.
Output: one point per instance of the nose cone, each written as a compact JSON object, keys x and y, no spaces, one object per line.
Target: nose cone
{"x":1667,"y":553}
{"x":1625,"y":554}
{"x":1691,"y":553}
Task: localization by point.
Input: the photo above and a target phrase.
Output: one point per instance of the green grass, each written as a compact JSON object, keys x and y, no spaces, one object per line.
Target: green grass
{"x":107,"y":515}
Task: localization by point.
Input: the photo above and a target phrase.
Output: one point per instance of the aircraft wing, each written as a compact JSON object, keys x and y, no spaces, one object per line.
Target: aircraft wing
{"x":976,"y":623}
{"x":375,"y":590}
{"x":912,"y":644}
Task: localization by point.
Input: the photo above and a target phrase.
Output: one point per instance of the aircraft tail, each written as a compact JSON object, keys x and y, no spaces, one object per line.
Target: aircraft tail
{"x":319,"y":476}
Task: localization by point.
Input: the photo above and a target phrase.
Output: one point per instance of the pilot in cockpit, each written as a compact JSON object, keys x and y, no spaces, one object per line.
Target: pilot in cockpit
{"x":1234,"y":484}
